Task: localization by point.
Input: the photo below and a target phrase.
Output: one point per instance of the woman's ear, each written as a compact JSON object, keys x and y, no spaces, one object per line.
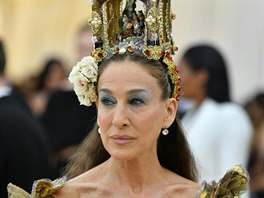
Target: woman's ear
{"x":171,"y":110}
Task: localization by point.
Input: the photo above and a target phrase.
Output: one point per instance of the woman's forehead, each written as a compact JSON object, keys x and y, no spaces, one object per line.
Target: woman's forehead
{"x":126,"y":74}
{"x":126,"y":70}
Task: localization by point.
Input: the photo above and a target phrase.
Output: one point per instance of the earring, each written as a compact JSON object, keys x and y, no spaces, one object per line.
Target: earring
{"x":99,"y":130}
{"x":165,"y":131}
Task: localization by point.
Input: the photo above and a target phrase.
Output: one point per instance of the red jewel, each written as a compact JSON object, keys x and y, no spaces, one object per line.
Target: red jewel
{"x":178,"y":97}
{"x":100,"y":54}
{"x":177,"y":69}
{"x":169,"y":57}
{"x":147,"y":52}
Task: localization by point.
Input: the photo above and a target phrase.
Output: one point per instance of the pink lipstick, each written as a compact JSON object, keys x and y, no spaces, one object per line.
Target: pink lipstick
{"x":122,"y":139}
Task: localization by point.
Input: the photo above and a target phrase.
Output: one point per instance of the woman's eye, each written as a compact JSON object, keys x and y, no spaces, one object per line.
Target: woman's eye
{"x":107,"y":101}
{"x":136,"y":101}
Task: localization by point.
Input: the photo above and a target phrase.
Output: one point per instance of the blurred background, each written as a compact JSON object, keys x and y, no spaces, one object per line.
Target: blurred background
{"x":43,"y":39}
{"x":34,"y":30}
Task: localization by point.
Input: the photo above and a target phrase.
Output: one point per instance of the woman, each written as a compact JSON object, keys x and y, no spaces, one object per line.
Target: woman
{"x":137,"y":148}
{"x":212,"y":118}
{"x":130,"y":144}
{"x":50,"y":79}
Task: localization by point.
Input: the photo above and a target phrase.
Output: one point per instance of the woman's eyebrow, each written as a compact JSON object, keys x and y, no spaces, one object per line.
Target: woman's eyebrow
{"x":105,"y":91}
{"x":137,"y":91}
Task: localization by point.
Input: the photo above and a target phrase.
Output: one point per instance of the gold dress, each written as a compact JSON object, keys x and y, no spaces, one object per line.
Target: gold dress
{"x":232,"y":185}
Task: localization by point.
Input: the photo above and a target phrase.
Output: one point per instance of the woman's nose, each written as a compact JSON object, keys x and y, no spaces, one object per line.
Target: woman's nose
{"x":120,"y":116}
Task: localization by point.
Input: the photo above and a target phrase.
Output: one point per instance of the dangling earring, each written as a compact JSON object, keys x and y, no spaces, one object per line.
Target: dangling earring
{"x":165,"y":131}
{"x":99,"y":130}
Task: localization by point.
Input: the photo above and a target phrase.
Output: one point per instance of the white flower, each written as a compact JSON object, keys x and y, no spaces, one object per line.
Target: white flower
{"x":89,"y":96}
{"x":90,"y":73}
{"x":80,"y":85}
{"x":75,"y":71}
{"x":83,"y":76}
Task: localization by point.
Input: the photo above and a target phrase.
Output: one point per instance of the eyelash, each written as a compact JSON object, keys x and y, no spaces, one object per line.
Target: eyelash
{"x":107,"y":101}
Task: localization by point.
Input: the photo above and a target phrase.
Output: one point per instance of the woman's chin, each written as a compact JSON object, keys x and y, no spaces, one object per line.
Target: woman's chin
{"x":122,"y":155}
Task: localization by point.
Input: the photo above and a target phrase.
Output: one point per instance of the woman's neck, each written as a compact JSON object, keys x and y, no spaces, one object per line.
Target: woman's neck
{"x":136,"y":174}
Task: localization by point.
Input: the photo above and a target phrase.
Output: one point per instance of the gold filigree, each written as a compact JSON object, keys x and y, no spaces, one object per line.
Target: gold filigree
{"x":98,"y":54}
{"x":231,"y":185}
{"x":161,"y":22}
{"x":95,"y":22}
{"x":105,"y":27}
{"x":119,"y":28}
{"x":151,"y":19}
{"x":123,"y":50}
{"x":46,"y":187}
{"x":153,"y":52}
{"x":174,"y":75}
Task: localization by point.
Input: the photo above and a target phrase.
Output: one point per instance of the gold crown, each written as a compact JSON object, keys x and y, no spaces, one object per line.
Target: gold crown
{"x":118,"y":27}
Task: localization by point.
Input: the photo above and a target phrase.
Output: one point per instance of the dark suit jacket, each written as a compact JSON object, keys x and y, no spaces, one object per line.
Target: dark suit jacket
{"x":66,"y":121}
{"x":24,"y":147}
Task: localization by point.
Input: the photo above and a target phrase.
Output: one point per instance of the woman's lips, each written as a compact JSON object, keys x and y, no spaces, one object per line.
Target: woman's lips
{"x":122,"y":139}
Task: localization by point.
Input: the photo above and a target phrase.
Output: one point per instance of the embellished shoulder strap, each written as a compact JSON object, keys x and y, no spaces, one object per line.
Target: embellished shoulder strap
{"x":16,"y":192}
{"x":46,"y":187}
{"x":232,"y":185}
{"x":43,"y":188}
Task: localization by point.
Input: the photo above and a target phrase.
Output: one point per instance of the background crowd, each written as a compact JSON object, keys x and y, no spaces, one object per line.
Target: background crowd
{"x":42,"y":123}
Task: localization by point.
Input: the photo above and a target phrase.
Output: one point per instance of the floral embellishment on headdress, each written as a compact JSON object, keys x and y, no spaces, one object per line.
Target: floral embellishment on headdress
{"x":84,"y":76}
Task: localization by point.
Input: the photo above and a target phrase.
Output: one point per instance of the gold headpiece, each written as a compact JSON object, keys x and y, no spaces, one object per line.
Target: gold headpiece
{"x":119,"y":27}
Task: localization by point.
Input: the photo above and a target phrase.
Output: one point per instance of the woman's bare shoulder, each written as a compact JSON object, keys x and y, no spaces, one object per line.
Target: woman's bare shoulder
{"x":76,"y":189}
{"x":178,"y":186}
{"x":85,"y":183}
{"x":184,"y":188}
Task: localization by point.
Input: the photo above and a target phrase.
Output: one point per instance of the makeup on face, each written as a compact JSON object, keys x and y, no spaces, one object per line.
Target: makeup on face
{"x":134,"y":97}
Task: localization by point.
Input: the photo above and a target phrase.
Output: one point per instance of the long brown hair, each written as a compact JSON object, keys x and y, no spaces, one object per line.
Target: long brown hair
{"x":172,"y":150}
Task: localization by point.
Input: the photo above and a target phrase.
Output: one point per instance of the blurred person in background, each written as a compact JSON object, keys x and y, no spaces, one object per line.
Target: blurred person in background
{"x":219,"y":132}
{"x":255,"y":109}
{"x":24,"y":147}
{"x":66,"y":121}
{"x":50,"y":79}
{"x":28,"y":91}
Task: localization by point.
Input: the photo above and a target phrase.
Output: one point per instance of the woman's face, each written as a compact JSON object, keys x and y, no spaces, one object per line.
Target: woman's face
{"x":131,"y":113}
{"x":193,"y":82}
